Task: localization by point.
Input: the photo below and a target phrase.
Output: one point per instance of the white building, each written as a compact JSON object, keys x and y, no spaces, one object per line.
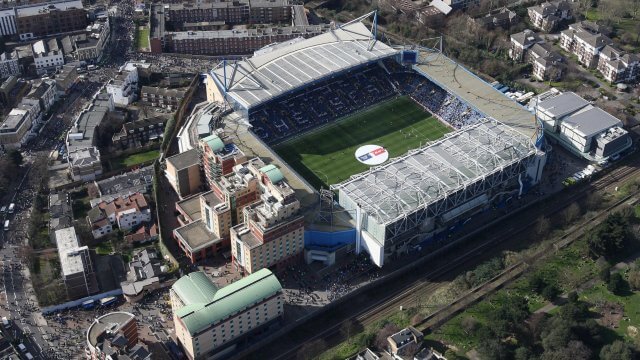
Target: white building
{"x":124,"y":87}
{"x":75,"y":263}
{"x":579,"y":126}
{"x":8,"y":22}
{"x":9,"y":64}
{"x":45,"y":93}
{"x":47,"y":56}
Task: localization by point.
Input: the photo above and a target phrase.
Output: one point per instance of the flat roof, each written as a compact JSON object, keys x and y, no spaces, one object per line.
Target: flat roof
{"x":191,"y":206}
{"x":244,"y":33}
{"x":35,"y":9}
{"x":591,"y":121}
{"x":428,"y":174}
{"x":110,"y":321}
{"x":468,"y":87}
{"x":563,"y":104}
{"x":185,"y":159}
{"x":263,"y":77}
{"x":196,"y":235}
{"x":71,"y":261}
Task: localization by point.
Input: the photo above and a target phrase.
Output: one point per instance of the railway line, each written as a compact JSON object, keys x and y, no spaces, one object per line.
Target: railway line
{"x":417,"y":284}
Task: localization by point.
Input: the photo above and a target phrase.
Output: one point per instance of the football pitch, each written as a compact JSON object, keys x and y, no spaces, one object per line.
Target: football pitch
{"x":327,"y":155}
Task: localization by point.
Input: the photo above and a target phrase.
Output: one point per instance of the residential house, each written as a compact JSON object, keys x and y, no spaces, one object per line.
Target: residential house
{"x":139,"y":133}
{"x":499,"y":18}
{"x":405,"y":342}
{"x":127,"y":212}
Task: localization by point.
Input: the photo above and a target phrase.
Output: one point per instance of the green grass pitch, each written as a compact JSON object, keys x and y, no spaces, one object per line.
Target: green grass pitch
{"x":327,"y":155}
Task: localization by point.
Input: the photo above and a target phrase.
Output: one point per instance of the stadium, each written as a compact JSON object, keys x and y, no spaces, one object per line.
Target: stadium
{"x":456,"y":145}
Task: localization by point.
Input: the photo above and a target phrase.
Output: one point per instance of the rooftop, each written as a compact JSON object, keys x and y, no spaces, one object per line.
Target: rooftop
{"x":205,"y":305}
{"x":110,"y":322}
{"x":36,"y":9}
{"x":185,"y":159}
{"x":591,"y":121}
{"x":196,"y":235}
{"x":134,"y":181}
{"x":462,"y":83}
{"x":264,"y":77}
{"x":562,"y":105}
{"x":191,"y":206}
{"x":429,"y":174}
{"x":245,"y":33}
{"x":70,"y":251}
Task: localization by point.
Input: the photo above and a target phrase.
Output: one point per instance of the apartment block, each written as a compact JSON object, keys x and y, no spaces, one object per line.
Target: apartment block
{"x":271,"y":234}
{"x":584,"y":41}
{"x":527,"y":46}
{"x":47,"y":56}
{"x":49,"y":18}
{"x":124,"y":87}
{"x":162,"y":97}
{"x":230,"y":12}
{"x":138,"y":133}
{"x":90,"y":45}
{"x":617,"y":66}
{"x":184,"y":173}
{"x":218,"y":158}
{"x":549,"y":15}
{"x":75,"y":264}
{"x":211,"y":321}
{"x":9,"y":64}
{"x":241,"y":41}
{"x":45,"y":93}
{"x":209,"y":233}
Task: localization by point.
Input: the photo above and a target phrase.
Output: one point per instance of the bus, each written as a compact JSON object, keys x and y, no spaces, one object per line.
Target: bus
{"x":108,"y":301}
{"x":12,"y":208}
{"x":89,"y":304}
{"x":6,"y":225}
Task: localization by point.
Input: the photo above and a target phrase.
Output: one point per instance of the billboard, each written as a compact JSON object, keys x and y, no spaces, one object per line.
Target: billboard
{"x":372,"y":154}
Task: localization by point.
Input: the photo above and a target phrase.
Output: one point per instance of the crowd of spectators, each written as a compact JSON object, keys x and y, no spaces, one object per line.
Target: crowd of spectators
{"x":322,"y":103}
{"x":334,"y":98}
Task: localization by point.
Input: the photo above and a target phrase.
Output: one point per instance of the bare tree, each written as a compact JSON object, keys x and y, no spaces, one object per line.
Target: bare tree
{"x":347,"y":329}
{"x":543,"y":226}
{"x":572,"y":212}
{"x":381,"y":338}
{"x":311,"y":349}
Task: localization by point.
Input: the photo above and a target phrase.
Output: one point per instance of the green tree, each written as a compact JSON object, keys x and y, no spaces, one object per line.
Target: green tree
{"x":618,"y":350}
{"x":16,"y":157}
{"x":634,"y":279}
{"x":616,"y":283}
{"x":493,"y":349}
{"x":550,"y":292}
{"x":522,"y":353}
{"x":610,"y":237}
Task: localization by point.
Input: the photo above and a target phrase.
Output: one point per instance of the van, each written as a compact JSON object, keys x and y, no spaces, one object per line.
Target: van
{"x":5,"y":322}
{"x":12,"y":208}
{"x":3,"y":210}
{"x":6,"y":225}
{"x":22,"y":347}
{"x":28,"y":356}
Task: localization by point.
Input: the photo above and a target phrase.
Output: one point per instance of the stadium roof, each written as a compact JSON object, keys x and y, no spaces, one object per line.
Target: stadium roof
{"x":431,"y":173}
{"x":476,"y":92}
{"x":263,"y":77}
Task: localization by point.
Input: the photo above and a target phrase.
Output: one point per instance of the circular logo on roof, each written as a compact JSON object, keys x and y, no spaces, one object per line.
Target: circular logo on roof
{"x":372,"y":154}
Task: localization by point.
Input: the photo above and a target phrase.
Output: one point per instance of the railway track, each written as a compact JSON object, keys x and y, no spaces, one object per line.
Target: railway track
{"x":473,"y":255}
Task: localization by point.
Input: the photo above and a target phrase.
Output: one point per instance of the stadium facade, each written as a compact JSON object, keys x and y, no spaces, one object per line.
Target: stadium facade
{"x":494,"y":152}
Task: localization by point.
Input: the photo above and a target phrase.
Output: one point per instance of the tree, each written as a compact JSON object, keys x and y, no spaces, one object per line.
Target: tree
{"x":616,"y":283}
{"x":522,"y":353}
{"x":16,"y":157}
{"x":557,"y":334}
{"x":571,"y":213}
{"x":543,"y":225}
{"x":605,"y":274}
{"x":618,"y":350}
{"x":572,"y":297}
{"x":610,"y":237}
{"x":634,"y":279}
{"x":574,"y":350}
{"x":469,"y":325}
{"x":493,"y":349}
{"x":381,"y":338}
{"x":310,"y":350}
{"x":550,"y":292}
{"x":347,"y":329}
{"x":537,"y":282}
